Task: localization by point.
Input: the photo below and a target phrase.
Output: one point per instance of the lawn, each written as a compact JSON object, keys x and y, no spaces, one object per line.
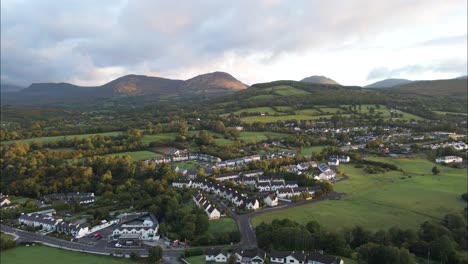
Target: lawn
{"x":44,"y":140}
{"x":254,"y":137}
{"x":48,"y":255}
{"x":222,"y":225}
{"x":196,"y":259}
{"x":136,"y":155}
{"x":188,"y":165}
{"x":310,"y":150}
{"x":383,"y":200}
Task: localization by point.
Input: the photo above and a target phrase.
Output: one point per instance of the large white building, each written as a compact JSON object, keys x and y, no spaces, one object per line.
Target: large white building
{"x":146,"y":225}
{"x":44,"y":222}
{"x":449,"y":159}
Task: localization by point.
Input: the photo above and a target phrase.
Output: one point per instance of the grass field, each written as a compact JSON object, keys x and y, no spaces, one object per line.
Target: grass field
{"x":330,"y":110}
{"x":310,"y":150}
{"x":222,"y":225}
{"x":386,"y":112}
{"x":380,"y":201}
{"x":136,"y":155}
{"x":450,"y":113}
{"x":285,"y":90}
{"x":311,"y":112}
{"x":196,"y":259}
{"x":260,"y":136}
{"x":263,"y":110}
{"x":47,"y":255}
{"x":57,"y":138}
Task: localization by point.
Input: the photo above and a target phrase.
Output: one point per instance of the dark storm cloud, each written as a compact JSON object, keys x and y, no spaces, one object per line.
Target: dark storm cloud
{"x":91,"y":41}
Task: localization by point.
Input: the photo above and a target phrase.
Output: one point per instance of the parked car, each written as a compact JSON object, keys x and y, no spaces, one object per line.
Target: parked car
{"x":118,"y":245}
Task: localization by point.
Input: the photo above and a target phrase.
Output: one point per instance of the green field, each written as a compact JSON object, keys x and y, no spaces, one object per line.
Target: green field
{"x":379,"y":201}
{"x":386,"y":112}
{"x":311,"y":112}
{"x":263,"y":110}
{"x":222,"y":225}
{"x":57,"y":138}
{"x":285,"y":90}
{"x":136,"y":155}
{"x":196,"y":259}
{"x":450,"y":113}
{"x":47,"y":255}
{"x":254,"y":137}
{"x":331,"y":110}
{"x":310,"y":150}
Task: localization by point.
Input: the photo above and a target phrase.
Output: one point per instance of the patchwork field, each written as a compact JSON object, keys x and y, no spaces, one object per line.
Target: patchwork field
{"x":379,"y":201}
{"x":136,"y":155}
{"x":47,"y":255}
{"x":57,"y":138}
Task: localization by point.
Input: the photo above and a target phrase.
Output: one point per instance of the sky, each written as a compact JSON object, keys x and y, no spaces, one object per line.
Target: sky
{"x":354,"y":42}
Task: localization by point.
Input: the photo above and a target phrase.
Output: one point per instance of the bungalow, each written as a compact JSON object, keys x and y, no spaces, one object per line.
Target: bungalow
{"x":213,"y":213}
{"x":333,"y":162}
{"x":271,"y":200}
{"x":278,"y":256}
{"x":252,"y":204}
{"x":449,"y":159}
{"x":250,"y":256}
{"x":215,"y":255}
{"x":75,"y":229}
{"x":263,"y":186}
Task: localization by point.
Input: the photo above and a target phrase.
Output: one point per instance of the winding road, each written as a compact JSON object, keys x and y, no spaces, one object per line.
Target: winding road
{"x":103,"y":247}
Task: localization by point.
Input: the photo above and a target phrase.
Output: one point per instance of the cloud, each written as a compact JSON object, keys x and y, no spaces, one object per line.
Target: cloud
{"x":91,"y":42}
{"x":452,"y":66}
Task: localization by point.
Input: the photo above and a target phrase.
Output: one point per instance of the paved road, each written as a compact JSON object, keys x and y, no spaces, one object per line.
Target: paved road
{"x":248,"y":239}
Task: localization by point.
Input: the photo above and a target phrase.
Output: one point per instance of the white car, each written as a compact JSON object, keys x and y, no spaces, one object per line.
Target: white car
{"x":118,"y":245}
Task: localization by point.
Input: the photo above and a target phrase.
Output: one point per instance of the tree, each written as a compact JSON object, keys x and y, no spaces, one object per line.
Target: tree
{"x":155,"y":254}
{"x":313,"y":227}
{"x":232,"y":259}
{"x":435,"y":170}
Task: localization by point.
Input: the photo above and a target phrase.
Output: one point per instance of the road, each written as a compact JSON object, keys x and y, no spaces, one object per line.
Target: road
{"x":104,"y":247}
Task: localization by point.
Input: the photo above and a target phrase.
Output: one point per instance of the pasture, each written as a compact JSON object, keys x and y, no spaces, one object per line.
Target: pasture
{"x":379,"y":201}
{"x":311,"y":150}
{"x":136,"y":155}
{"x":44,"y":140}
{"x":47,"y":255}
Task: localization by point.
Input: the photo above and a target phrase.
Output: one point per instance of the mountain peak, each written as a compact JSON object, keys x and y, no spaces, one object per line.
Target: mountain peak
{"x":391,"y":82}
{"x":214,"y":81}
{"x":319,"y":79}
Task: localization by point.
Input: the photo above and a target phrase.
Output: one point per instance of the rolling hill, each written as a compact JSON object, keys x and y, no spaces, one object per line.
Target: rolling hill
{"x":456,"y":88}
{"x":319,"y":79}
{"x":215,"y":83}
{"x":388,"y":83}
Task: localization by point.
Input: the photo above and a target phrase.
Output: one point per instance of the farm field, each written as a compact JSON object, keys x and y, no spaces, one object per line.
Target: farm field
{"x":311,"y":112}
{"x":222,"y":225}
{"x":285,"y":90}
{"x":260,"y":136}
{"x":263,"y":110}
{"x":47,"y":255}
{"x":57,"y":138}
{"x":136,"y":155}
{"x":385,"y":111}
{"x":450,"y":113}
{"x":379,"y":201}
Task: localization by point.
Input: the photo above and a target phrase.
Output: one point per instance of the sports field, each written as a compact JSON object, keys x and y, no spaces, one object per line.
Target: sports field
{"x":379,"y":201}
{"x":47,"y":255}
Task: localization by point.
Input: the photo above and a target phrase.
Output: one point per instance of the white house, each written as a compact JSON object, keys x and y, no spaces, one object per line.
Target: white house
{"x":449,"y":159}
{"x":213,"y":213}
{"x":227,"y":176}
{"x":333,"y":162}
{"x":275,"y":185}
{"x":252,"y":204}
{"x":45,"y":222}
{"x":144,"y":224}
{"x":263,"y":186}
{"x":271,"y":200}
{"x":215,"y":255}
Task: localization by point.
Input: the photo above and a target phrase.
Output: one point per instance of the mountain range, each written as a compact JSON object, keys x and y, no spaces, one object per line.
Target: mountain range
{"x":215,"y":83}
{"x":206,"y":85}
